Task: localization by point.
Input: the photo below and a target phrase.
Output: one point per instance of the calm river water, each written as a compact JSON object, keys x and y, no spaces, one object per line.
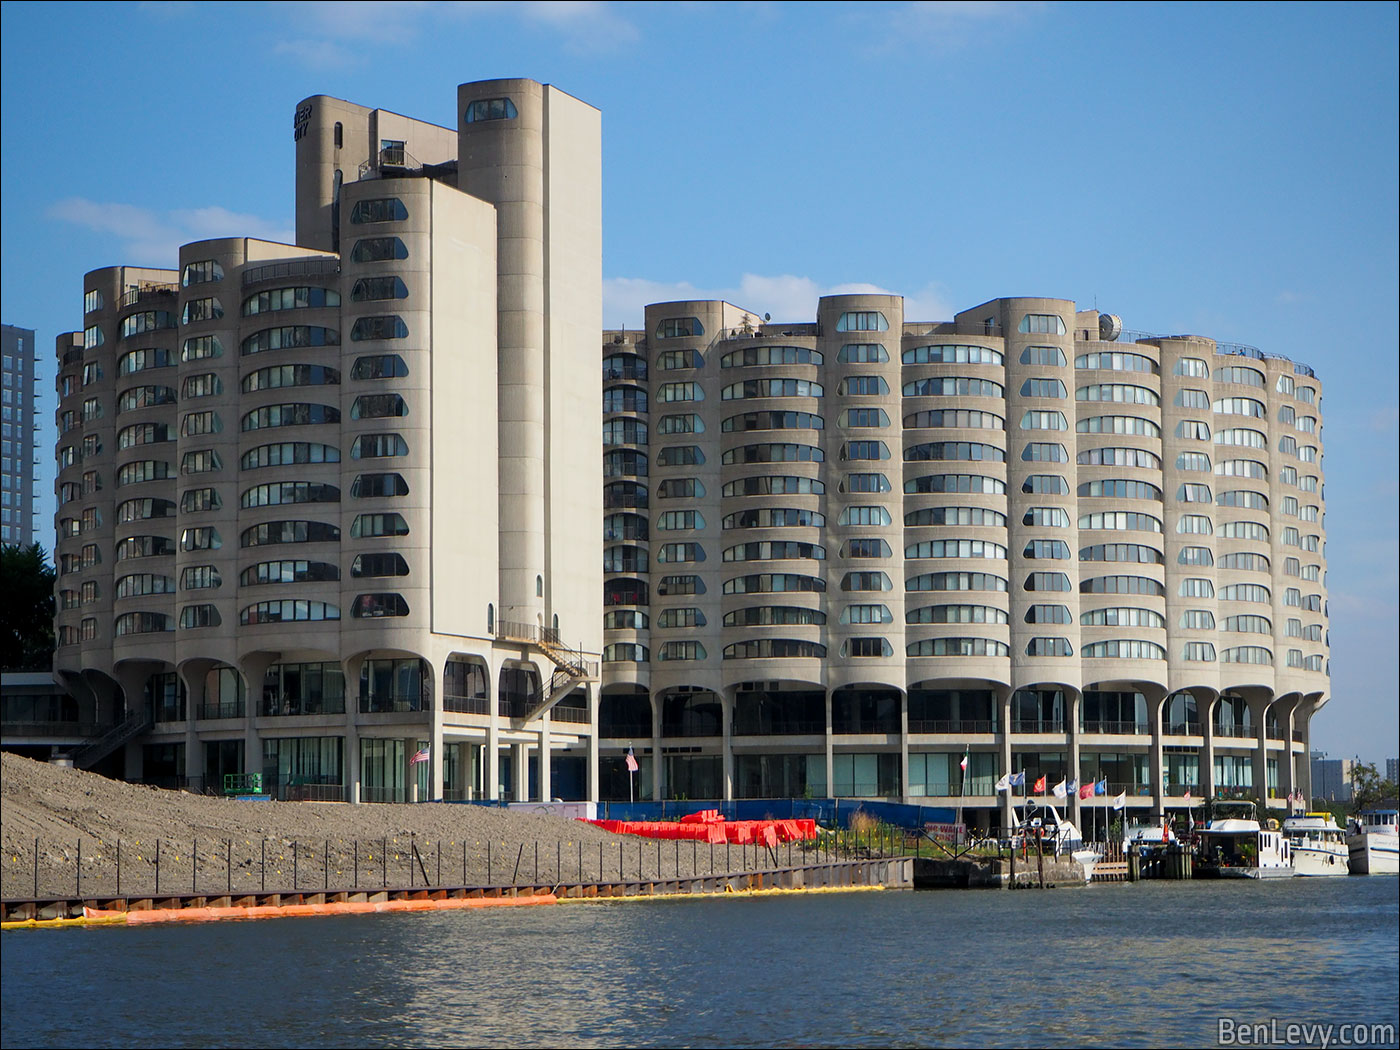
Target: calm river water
{"x":1154,"y":963}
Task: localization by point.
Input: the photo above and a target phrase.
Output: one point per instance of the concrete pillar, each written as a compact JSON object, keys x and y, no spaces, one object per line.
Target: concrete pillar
{"x":904,"y":748}
{"x":1207,"y":713}
{"x":1305,"y":774}
{"x":830,"y":750}
{"x":410,"y":746}
{"x":350,"y":762}
{"x":520,"y":772}
{"x":491,"y":757}
{"x":546,"y":781}
{"x":437,"y":745}
{"x":1286,"y":785}
{"x":726,"y":715}
{"x":658,"y":768}
{"x":1006,"y":796}
{"x":1072,"y":735}
{"x":594,"y":703}
{"x":1258,"y":708}
{"x":1157,"y":767}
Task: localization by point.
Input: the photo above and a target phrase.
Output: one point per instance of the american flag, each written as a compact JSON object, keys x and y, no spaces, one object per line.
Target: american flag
{"x":421,"y":755}
{"x":632,"y":766}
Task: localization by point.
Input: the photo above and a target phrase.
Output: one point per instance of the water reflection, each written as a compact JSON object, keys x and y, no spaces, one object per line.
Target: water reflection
{"x":1145,"y":964}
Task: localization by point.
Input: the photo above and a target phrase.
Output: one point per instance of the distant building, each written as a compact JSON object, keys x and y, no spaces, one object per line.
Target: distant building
{"x":1331,"y":777}
{"x":17,"y":462}
{"x":1392,"y":769}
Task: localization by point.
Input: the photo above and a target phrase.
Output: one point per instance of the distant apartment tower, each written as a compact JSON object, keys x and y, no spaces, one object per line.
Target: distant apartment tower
{"x":19,"y":424}
{"x":844,"y":554}
{"x":1331,"y":777}
{"x":326,"y":507}
{"x":1392,"y":769}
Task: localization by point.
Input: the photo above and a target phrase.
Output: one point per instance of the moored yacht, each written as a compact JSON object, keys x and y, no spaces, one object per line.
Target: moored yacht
{"x":1316,"y":844}
{"x":1040,"y":822}
{"x":1234,"y":845}
{"x":1374,"y":842}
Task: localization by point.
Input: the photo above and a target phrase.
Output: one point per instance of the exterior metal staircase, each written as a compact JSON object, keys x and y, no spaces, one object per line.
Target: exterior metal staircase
{"x":87,"y":756}
{"x":570,"y":667}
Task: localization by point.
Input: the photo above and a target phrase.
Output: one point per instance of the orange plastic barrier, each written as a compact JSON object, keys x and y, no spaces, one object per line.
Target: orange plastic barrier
{"x":283,"y":911}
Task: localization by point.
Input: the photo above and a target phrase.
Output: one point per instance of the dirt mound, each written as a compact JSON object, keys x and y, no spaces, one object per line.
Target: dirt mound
{"x":293,"y":845}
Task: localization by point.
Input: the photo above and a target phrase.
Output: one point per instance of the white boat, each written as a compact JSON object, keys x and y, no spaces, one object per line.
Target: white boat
{"x":1317,"y":844}
{"x":1372,"y":842}
{"x":1234,"y":845}
{"x":1142,"y":835}
{"x":1040,"y":822}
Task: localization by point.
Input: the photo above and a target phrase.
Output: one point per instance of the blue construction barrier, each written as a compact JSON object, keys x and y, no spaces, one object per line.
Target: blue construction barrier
{"x":828,"y":812}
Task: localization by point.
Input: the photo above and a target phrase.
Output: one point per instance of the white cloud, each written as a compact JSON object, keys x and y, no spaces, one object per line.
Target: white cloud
{"x":333,"y":35}
{"x":787,"y":297}
{"x":949,"y":23}
{"x":586,"y":25}
{"x":315,"y":54}
{"x":151,"y":238}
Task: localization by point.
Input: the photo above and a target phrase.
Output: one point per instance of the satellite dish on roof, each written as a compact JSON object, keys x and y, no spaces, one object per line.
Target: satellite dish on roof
{"x":768,"y":317}
{"x":1110,"y":327}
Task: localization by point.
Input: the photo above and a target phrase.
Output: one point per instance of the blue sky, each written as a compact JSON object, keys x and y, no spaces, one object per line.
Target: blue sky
{"x":1227,"y":170}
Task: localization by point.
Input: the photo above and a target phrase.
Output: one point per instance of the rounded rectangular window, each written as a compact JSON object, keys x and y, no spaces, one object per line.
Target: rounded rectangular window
{"x":485,"y":109}
{"x":862,"y":321}
{"x":389,"y":326}
{"x":378,"y":249}
{"x":378,"y":209}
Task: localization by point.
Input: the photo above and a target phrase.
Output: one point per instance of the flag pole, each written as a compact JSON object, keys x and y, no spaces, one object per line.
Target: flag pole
{"x":962,"y":792}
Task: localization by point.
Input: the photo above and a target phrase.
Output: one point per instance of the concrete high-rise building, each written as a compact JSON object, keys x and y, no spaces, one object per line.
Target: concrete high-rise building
{"x":329,"y":506}
{"x":19,"y":424}
{"x":842,"y":554}
{"x":1331,"y":777}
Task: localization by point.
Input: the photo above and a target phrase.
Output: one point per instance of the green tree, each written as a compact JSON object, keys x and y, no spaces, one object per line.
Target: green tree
{"x":1367,"y":786}
{"x":26,"y":610}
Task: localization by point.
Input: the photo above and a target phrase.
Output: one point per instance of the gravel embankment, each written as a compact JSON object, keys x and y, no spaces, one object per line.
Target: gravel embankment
{"x":306,"y":845}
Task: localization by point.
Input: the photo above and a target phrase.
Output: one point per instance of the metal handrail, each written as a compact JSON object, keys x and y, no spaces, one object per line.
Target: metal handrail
{"x":920,"y":329}
{"x":315,"y":266}
{"x":950,"y":725}
{"x":1182,"y":729}
{"x":148,"y":292}
{"x":1118,"y":728}
{"x":781,"y":727}
{"x":467,"y":705}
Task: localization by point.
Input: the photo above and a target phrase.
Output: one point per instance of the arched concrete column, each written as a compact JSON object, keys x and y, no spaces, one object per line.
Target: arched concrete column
{"x":253,"y":667}
{"x":1074,"y":710}
{"x":726,"y":708}
{"x":1155,"y":697}
{"x":1257,"y":699}
{"x":904,"y":748}
{"x":546,"y":745}
{"x":491,"y":756}
{"x":78,"y":687}
{"x":830,"y":744}
{"x":1283,"y":709}
{"x":191,"y":673}
{"x":132,"y":676}
{"x":1206,"y":707}
{"x":1003,"y":701}
{"x":595,"y":703}
{"x":1302,"y":718}
{"x":658,"y":768}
